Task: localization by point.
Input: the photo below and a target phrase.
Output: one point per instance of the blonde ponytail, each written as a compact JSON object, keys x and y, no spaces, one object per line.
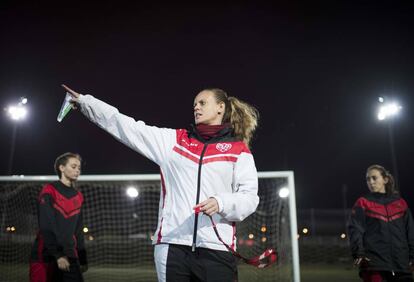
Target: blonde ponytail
{"x":242,"y":116}
{"x":243,"y":119}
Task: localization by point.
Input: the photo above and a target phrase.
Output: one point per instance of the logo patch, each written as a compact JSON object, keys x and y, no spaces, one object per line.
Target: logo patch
{"x":189,"y":145}
{"x":223,"y":147}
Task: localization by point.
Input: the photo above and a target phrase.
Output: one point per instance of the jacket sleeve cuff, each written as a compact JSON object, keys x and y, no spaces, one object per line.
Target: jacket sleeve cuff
{"x":58,"y":255}
{"x":219,"y":202}
{"x":81,"y":97}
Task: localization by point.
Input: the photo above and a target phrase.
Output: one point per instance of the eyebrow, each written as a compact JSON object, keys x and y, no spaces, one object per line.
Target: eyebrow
{"x":199,"y":101}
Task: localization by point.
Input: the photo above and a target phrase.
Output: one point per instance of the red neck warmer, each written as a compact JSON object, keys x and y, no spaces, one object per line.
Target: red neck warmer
{"x":210,"y":131}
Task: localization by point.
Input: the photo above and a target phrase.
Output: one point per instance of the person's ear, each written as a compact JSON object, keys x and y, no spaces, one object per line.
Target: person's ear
{"x":221,"y":108}
{"x":61,"y":168}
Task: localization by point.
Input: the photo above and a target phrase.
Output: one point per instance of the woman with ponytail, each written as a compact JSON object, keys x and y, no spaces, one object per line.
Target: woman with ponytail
{"x":381,"y":231}
{"x":209,"y":181}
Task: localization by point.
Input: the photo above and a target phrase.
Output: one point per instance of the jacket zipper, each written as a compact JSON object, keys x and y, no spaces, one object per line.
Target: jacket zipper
{"x":198,"y":196}
{"x":388,"y":225}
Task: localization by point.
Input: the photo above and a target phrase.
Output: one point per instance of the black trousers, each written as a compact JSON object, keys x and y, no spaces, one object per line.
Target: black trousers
{"x":202,"y":265}
{"x":386,"y":276}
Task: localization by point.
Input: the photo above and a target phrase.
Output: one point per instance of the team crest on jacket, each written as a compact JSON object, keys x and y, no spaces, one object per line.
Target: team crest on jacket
{"x":223,"y":147}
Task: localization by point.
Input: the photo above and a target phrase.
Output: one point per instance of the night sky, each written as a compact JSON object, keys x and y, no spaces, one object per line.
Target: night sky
{"x":314,"y":71}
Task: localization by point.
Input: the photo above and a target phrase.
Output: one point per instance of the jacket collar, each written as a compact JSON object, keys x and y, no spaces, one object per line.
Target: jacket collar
{"x":225,"y":133}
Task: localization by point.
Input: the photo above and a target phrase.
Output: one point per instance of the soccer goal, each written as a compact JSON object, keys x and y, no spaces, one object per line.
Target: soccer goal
{"x":120,"y":216}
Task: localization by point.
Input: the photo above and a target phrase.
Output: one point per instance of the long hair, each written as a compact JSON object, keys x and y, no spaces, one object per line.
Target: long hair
{"x":242,"y":117}
{"x":63,"y":159}
{"x":390,"y":187}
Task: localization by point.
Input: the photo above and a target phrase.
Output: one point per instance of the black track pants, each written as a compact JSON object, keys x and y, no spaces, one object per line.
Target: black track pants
{"x":177,"y":263}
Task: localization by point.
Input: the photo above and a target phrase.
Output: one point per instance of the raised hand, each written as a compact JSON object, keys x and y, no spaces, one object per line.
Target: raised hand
{"x":74,"y":94}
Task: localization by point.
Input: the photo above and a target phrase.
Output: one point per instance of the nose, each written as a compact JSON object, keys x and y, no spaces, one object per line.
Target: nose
{"x":196,"y":107}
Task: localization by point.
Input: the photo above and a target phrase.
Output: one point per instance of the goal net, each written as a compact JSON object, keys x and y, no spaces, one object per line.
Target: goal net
{"x":120,"y":216}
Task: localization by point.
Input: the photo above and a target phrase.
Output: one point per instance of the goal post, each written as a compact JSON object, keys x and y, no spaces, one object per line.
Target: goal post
{"x":290,"y":185}
{"x":120,"y":215}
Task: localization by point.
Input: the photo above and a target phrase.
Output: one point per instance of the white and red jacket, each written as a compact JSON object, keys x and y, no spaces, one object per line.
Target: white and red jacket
{"x":192,"y":170}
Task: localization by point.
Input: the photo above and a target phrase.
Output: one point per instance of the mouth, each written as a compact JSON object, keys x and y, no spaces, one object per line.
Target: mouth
{"x":197,"y":115}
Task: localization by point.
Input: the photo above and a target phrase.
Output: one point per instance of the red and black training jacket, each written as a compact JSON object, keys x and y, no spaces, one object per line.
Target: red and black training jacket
{"x":60,"y":224}
{"x":381,"y":228}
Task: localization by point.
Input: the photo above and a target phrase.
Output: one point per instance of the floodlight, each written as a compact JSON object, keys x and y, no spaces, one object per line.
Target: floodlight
{"x":283,"y":192}
{"x":18,"y":112}
{"x":132,"y":192}
{"x":388,"y":110}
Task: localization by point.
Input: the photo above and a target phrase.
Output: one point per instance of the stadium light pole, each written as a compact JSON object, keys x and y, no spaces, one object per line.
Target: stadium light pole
{"x":16,"y":113}
{"x":387,"y":111}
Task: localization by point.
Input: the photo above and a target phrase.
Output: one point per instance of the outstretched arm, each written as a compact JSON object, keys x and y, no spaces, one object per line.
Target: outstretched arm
{"x":152,"y":142}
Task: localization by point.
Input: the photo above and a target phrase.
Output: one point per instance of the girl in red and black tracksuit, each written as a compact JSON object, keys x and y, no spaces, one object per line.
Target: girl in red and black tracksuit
{"x":58,"y":253}
{"x":381,"y":231}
